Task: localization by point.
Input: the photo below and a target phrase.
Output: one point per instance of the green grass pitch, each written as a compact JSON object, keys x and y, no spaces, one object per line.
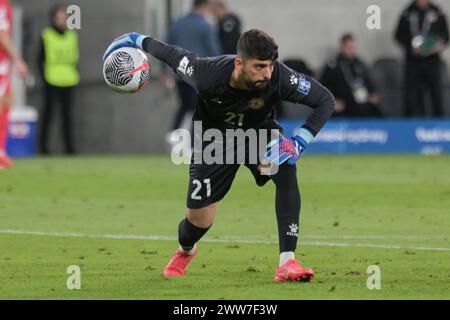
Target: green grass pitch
{"x":116,"y":218}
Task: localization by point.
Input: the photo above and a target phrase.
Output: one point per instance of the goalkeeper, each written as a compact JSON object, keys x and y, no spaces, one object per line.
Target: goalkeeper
{"x":239,"y":92}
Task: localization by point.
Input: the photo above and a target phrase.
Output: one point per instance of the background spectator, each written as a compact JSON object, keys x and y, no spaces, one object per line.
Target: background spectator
{"x":423,"y":33}
{"x":194,"y":33}
{"x":347,"y":77}
{"x":229,"y":26}
{"x":58,"y":60}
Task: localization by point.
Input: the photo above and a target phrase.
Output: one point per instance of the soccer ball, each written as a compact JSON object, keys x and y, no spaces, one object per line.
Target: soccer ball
{"x":126,"y":70}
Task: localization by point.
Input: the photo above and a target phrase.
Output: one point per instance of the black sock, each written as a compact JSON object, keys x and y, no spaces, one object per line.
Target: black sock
{"x":188,"y":234}
{"x":287,"y":206}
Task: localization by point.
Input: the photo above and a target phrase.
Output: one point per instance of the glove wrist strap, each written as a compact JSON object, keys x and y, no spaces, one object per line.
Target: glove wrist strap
{"x":139,"y":41}
{"x":306,"y":135}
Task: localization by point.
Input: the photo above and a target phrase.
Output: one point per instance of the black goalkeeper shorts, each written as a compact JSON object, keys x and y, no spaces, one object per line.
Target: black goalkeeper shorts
{"x":209,"y":183}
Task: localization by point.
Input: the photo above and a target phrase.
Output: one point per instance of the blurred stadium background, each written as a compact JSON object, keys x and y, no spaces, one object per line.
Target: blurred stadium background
{"x":107,"y":122}
{"x":116,"y":216}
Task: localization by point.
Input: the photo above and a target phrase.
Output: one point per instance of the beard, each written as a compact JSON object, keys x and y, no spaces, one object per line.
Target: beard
{"x":257,"y":85}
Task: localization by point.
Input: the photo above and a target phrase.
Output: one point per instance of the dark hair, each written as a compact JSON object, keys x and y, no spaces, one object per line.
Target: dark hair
{"x":347,"y":37}
{"x":257,"y":44}
{"x":199,"y":3}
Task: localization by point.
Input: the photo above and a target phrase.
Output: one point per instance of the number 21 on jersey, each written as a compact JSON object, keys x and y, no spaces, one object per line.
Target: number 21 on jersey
{"x":235,"y":119}
{"x":199,"y":186}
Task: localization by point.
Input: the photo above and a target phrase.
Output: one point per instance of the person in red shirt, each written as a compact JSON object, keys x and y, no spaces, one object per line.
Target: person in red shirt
{"x":8,"y":56}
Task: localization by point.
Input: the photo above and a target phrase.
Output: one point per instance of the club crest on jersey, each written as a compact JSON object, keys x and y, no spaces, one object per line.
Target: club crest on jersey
{"x":256,"y":103}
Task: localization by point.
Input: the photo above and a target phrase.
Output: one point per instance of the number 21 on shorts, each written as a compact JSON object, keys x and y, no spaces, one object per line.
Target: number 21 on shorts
{"x":198,"y":184}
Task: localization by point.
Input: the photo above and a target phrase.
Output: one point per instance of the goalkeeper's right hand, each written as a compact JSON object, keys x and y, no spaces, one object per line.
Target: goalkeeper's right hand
{"x":132,"y":39}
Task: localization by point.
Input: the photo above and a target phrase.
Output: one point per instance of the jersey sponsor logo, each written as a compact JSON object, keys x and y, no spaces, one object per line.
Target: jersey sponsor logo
{"x":304,"y":86}
{"x":256,"y":103}
{"x":182,"y":67}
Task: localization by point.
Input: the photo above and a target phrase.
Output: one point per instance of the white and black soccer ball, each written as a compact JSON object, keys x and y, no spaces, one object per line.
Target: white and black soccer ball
{"x":126,"y":70}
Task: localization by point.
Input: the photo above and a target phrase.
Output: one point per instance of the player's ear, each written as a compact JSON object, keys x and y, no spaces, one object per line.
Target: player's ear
{"x":238,"y":62}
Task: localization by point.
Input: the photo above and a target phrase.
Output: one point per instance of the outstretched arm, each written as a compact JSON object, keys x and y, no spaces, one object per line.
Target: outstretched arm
{"x":182,"y":61}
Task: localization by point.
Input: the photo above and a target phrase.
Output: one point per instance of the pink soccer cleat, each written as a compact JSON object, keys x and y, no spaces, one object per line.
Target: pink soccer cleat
{"x":292,"y":271}
{"x":178,"y":264}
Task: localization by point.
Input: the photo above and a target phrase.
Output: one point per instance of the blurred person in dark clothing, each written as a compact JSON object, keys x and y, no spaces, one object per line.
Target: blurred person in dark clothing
{"x":423,"y":33}
{"x":347,"y":77}
{"x":58,"y":65}
{"x":229,"y":26}
{"x":299,"y":65}
{"x":192,"y":32}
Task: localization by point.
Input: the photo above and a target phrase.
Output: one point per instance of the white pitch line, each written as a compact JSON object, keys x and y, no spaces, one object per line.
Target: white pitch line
{"x":212,"y":240}
{"x":267,"y":239}
{"x":349,"y":237}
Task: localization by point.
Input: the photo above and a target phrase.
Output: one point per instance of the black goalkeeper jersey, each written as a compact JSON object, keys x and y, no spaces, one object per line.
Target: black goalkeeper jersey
{"x":222,"y":106}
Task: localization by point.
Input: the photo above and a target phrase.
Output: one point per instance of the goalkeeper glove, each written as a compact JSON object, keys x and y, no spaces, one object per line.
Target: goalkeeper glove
{"x":282,"y":149}
{"x":132,"y":39}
